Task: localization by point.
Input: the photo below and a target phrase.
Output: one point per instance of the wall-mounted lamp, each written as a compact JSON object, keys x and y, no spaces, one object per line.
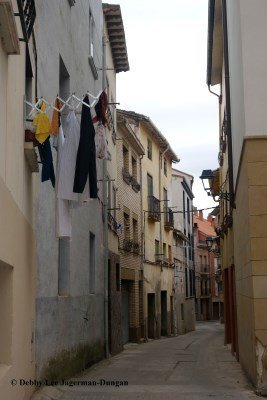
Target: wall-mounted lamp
{"x":208,"y":179}
{"x":209,"y":242}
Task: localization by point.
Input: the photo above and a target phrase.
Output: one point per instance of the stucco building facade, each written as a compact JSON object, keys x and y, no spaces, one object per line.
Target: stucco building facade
{"x":183,"y":251}
{"x":237,"y":33}
{"x":70,"y":274}
{"x":157,"y":227}
{"x":129,"y":157}
{"x":18,"y":188}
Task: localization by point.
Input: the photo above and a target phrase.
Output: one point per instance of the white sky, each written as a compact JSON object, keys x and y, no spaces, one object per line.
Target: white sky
{"x":167,"y":51}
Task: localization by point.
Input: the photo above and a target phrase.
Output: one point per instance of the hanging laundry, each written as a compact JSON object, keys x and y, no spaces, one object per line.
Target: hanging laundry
{"x":101,"y":109}
{"x":86,"y":158}
{"x":47,"y":161}
{"x":55,"y":121}
{"x":101,"y":145}
{"x":66,"y":168}
{"x":42,"y":123}
{"x":63,"y":213}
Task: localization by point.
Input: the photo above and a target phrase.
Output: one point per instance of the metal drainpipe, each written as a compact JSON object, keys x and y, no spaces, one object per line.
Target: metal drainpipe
{"x":105,"y":207}
{"x":161,"y":155}
{"x":228,"y":103}
{"x":142,"y":215}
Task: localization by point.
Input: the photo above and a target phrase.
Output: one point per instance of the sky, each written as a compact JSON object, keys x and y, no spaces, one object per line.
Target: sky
{"x":167,"y":52}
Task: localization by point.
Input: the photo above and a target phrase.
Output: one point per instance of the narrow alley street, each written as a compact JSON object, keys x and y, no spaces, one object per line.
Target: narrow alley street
{"x":191,"y":366}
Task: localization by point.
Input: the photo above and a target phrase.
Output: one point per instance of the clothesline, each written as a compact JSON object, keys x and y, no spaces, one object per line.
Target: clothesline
{"x":73,"y":102}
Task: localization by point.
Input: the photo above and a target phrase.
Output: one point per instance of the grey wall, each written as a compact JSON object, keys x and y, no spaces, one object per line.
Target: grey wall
{"x":64,"y":324}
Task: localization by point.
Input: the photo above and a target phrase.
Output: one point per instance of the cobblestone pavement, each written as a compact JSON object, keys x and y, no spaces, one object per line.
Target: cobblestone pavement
{"x":187,"y":367}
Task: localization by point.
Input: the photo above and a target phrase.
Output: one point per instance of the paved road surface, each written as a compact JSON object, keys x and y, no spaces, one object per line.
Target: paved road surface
{"x":194,"y":366}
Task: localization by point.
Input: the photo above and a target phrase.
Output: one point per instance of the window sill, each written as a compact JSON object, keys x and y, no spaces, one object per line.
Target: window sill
{"x":93,"y":67}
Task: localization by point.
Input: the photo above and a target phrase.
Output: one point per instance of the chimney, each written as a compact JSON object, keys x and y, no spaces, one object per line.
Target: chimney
{"x":213,"y":223}
{"x":195,"y":211}
{"x":200,"y":215}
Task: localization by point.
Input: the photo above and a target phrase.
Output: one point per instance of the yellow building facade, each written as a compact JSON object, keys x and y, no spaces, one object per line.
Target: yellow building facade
{"x":157,"y":225}
{"x":17,"y":194}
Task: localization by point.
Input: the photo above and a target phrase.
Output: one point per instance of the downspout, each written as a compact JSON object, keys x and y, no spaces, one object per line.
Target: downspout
{"x":228,"y":104}
{"x":105,"y":225}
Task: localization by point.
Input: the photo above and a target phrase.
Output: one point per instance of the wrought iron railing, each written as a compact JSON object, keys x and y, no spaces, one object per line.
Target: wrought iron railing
{"x":114,"y":225}
{"x":27,"y":13}
{"x":168,"y":223}
{"x":153,"y":208}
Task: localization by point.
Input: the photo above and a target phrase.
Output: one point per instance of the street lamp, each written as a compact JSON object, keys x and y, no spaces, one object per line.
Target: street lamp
{"x":207,"y":178}
{"x":209,"y":243}
{"x":210,"y":186}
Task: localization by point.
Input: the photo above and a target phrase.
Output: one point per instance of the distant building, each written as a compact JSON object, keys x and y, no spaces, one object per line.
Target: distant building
{"x":183,"y":251}
{"x":116,"y":61}
{"x":205,"y":269}
{"x":157,"y":228}
{"x":130,"y":217}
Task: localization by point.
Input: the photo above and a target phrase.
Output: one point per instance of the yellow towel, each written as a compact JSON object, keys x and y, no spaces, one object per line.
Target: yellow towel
{"x":42,"y":123}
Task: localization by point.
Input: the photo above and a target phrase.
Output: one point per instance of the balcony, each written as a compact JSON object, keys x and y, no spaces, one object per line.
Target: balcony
{"x":112,"y":223}
{"x":127,"y":245}
{"x":127,"y":177}
{"x":168,"y":223}
{"x":27,"y":13}
{"x":153,"y":208}
{"x":135,"y":185}
{"x":136,"y":247}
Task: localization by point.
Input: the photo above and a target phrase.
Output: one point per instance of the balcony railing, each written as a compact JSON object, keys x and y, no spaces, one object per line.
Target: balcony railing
{"x":127,"y":244}
{"x":168,"y":223}
{"x":27,"y":14}
{"x":136,"y":247}
{"x":127,"y":177}
{"x":113,"y":224}
{"x":153,"y":208}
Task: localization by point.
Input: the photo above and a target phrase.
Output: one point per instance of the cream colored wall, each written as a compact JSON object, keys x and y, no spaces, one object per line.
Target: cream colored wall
{"x":17,"y":241}
{"x":111,"y":165}
{"x":247,"y":32}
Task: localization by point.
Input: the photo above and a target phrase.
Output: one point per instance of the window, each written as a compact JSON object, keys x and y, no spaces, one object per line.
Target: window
{"x":170,"y":253}
{"x":164,"y":251}
{"x":92,"y":263}
{"x":150,"y":192}
{"x":91,"y":45}
{"x":72,"y":2}
{"x":135,"y":230}
{"x":165,"y":167}
{"x":64,"y":83}
{"x":183,"y":204}
{"x":149,"y":149}
{"x":118,"y":278}
{"x":126,"y":222}
{"x":114,"y":192}
{"x":201,"y":260}
{"x":157,"y":253}
{"x":188,"y":211}
{"x":91,"y":34}
{"x":134,"y":168}
{"x":125,"y":153}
